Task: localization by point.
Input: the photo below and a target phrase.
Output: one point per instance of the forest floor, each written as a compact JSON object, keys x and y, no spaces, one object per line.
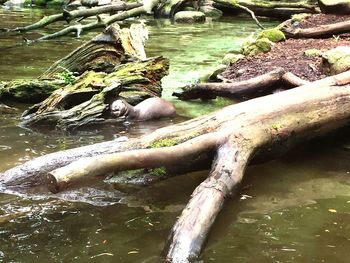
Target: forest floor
{"x":290,"y":55}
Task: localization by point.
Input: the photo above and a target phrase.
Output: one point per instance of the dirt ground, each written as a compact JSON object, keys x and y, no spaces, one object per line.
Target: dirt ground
{"x":289,"y":54}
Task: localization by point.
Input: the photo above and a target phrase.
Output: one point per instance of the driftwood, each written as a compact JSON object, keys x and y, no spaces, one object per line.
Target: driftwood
{"x":265,"y":83}
{"x":68,"y":16}
{"x":231,"y":137}
{"x":316,"y":32}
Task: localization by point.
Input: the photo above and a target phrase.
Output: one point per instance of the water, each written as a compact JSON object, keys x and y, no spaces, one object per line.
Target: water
{"x":295,"y":209}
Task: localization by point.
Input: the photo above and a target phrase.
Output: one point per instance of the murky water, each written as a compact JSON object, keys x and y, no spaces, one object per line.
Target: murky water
{"x":296,"y":209}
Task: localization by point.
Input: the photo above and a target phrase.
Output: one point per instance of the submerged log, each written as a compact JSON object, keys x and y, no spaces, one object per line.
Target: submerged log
{"x":87,"y":100}
{"x":231,"y":137}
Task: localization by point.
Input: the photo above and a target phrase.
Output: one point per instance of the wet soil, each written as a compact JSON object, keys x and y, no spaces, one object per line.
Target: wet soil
{"x":288,"y":55}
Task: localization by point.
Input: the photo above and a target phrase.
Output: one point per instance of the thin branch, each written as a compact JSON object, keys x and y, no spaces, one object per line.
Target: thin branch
{"x":79,"y":29}
{"x":251,"y":14}
{"x":70,"y":15}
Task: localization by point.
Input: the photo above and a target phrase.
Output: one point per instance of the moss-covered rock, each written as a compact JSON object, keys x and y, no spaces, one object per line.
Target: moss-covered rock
{"x":189,"y":17}
{"x":231,"y":58}
{"x":313,"y":52}
{"x":254,"y":47}
{"x":299,"y":17}
{"x":336,"y":60}
{"x":273,"y":34}
{"x":334,"y":6}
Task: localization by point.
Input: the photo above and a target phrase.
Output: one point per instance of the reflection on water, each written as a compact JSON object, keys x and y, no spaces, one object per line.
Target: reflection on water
{"x":292,"y":210}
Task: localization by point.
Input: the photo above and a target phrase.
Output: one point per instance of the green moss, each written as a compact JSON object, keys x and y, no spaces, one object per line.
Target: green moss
{"x":164,"y":143}
{"x":272,"y":34}
{"x":160,"y":171}
{"x":254,"y":47}
{"x":231,"y":58}
{"x":299,"y":17}
{"x":313,"y":53}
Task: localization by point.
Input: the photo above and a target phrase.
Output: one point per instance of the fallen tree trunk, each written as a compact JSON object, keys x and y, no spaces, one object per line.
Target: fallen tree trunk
{"x":278,"y":120}
{"x":228,"y":89}
{"x":232,"y":136}
{"x":316,"y":32}
{"x":277,"y":9}
{"x":263,"y":82}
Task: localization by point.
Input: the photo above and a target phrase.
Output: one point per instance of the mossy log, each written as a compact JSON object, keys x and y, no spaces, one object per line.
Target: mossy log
{"x":322,"y":31}
{"x":29,"y":91}
{"x":229,"y":138}
{"x":102,"y":53}
{"x":88,"y":98}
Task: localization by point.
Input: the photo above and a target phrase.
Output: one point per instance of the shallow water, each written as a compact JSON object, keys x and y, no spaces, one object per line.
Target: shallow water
{"x":296,"y":209}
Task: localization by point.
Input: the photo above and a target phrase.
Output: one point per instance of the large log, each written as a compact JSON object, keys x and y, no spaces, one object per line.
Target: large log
{"x":262,"y":83}
{"x":323,"y":31}
{"x":231,"y":137}
{"x":279,"y":9}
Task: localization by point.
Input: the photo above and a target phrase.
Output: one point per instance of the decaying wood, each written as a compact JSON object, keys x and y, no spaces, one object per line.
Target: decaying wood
{"x":234,"y":135}
{"x":29,"y":91}
{"x":88,"y":98}
{"x":317,"y":32}
{"x":104,"y":52}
